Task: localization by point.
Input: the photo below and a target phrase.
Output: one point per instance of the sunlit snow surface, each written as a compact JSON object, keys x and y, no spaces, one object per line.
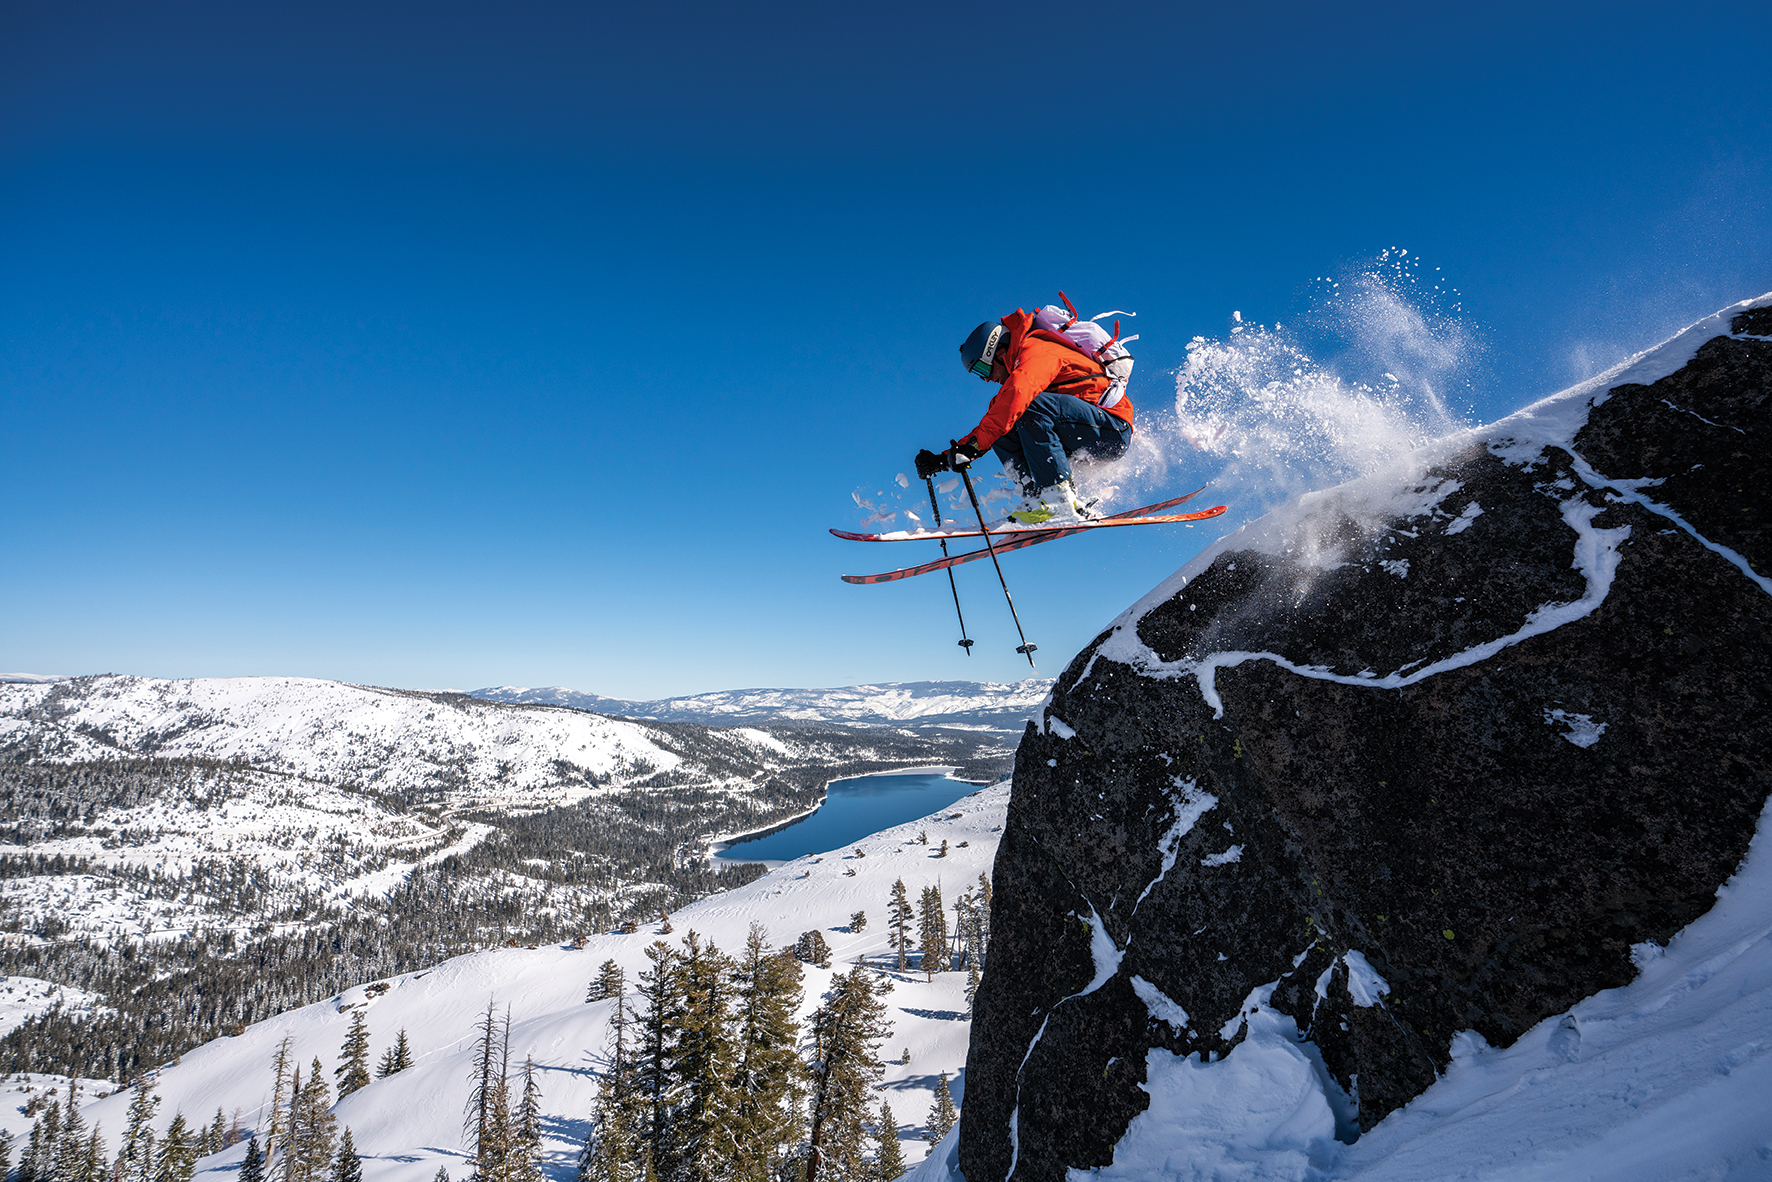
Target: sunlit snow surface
{"x":994,"y":705}
{"x":1667,"y":1078}
{"x":409,"y":1124}
{"x":23,"y":998}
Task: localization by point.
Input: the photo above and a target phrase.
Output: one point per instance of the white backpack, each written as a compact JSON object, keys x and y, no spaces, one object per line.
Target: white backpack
{"x":1091,"y":339}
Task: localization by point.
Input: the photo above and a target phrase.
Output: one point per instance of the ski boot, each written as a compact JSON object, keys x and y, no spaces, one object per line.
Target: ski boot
{"x":1058,"y":505}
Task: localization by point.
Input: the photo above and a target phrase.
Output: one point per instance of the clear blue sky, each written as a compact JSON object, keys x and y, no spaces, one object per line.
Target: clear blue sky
{"x":457,"y":344}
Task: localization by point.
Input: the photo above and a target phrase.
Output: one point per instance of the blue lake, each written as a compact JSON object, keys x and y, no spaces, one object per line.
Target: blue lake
{"x":852,"y":809}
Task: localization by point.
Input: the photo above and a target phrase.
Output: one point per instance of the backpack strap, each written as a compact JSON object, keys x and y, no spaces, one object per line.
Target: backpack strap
{"x":1069,"y":307}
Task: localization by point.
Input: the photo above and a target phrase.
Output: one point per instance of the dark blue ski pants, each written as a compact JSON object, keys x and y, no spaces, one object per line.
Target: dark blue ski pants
{"x":1037,"y":450}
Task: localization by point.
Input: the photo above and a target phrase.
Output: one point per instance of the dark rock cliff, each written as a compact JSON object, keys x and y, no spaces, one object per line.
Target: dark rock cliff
{"x":1487,"y":726}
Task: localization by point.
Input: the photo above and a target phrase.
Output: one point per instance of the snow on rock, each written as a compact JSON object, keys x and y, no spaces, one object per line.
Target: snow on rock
{"x":408,"y":1125}
{"x":1486,"y":730}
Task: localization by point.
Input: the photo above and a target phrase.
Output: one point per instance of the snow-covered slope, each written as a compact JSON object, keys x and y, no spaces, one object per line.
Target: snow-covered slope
{"x":295,"y":839}
{"x":378,"y":739}
{"x":988,"y":705}
{"x":1665,"y":1079}
{"x":409,"y":1124}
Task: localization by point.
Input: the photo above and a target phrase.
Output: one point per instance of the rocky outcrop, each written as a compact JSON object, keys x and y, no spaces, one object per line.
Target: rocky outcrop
{"x":1428,"y":753}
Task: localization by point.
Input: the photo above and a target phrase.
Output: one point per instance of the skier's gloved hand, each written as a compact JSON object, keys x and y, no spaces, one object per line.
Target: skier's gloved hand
{"x":961,"y":454}
{"x":928,"y":463}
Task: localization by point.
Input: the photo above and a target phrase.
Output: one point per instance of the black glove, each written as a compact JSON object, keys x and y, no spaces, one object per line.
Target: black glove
{"x":928,"y":463}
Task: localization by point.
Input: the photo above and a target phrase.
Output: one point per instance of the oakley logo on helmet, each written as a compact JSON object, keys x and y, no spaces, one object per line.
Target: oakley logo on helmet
{"x":980,"y":349}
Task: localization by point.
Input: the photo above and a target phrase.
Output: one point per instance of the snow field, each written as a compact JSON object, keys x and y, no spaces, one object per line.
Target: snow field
{"x":409,"y":1124}
{"x":298,"y":837}
{"x":23,"y":998}
{"x":329,"y":731}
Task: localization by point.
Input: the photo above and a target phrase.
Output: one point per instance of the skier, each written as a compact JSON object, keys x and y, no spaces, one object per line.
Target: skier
{"x":1056,"y":401}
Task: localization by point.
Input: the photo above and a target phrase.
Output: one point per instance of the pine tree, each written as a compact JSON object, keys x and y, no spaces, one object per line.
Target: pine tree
{"x":5,"y":1153}
{"x":308,"y":1137}
{"x":503,"y":1130}
{"x":177,"y":1159}
{"x":981,"y":940}
{"x":660,"y":1024}
{"x":353,"y":1068}
{"x":442,"y":1175}
{"x":891,"y":1159}
{"x":52,"y":1132}
{"x":137,"y":1154}
{"x":898,"y":919}
{"x":699,"y":1141}
{"x":933,"y":932}
{"x":281,"y":1067}
{"x":612,"y":1151}
{"x":941,"y":1113}
{"x":480,"y":1122}
{"x":610,"y":982}
{"x":218,"y":1132}
{"x":281,"y":1159}
{"x":812,"y":948}
{"x":70,"y":1150}
{"x":252,"y":1166}
{"x":92,"y":1162}
{"x":526,"y":1146}
{"x":347,"y":1166}
{"x":972,"y":982}
{"x":847,"y":1030}
{"x":28,"y":1167}
{"x":767,"y":1082}
{"x":396,"y":1058}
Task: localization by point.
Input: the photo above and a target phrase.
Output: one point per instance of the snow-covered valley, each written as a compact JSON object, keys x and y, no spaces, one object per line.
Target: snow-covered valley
{"x":409,"y":1124}
{"x":262,"y":842}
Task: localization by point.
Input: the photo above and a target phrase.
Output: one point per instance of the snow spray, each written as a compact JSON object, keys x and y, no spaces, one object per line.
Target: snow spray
{"x":1264,"y":420}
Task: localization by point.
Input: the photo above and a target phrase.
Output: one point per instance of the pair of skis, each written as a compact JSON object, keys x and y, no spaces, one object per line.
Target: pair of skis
{"x":1015,"y":537}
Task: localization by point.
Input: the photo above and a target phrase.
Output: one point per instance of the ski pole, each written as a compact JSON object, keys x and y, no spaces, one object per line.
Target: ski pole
{"x":1026,"y":649}
{"x":965,"y":643}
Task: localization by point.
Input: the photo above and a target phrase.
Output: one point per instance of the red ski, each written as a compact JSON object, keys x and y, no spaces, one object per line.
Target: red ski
{"x":1019,"y":531}
{"x":1015,"y":527}
{"x":1018,"y":539}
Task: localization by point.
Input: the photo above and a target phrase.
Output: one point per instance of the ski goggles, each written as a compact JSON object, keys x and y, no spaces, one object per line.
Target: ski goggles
{"x":982,"y":367}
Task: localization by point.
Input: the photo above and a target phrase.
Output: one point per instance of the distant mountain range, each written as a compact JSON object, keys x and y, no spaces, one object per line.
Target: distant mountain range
{"x":983,"y":705}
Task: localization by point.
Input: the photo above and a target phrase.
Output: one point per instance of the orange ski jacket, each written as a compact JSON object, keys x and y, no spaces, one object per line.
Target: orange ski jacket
{"x":1039,"y":361}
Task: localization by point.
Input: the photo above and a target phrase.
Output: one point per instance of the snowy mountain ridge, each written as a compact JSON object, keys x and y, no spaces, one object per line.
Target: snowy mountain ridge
{"x":985,"y":705}
{"x":376,"y":739}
